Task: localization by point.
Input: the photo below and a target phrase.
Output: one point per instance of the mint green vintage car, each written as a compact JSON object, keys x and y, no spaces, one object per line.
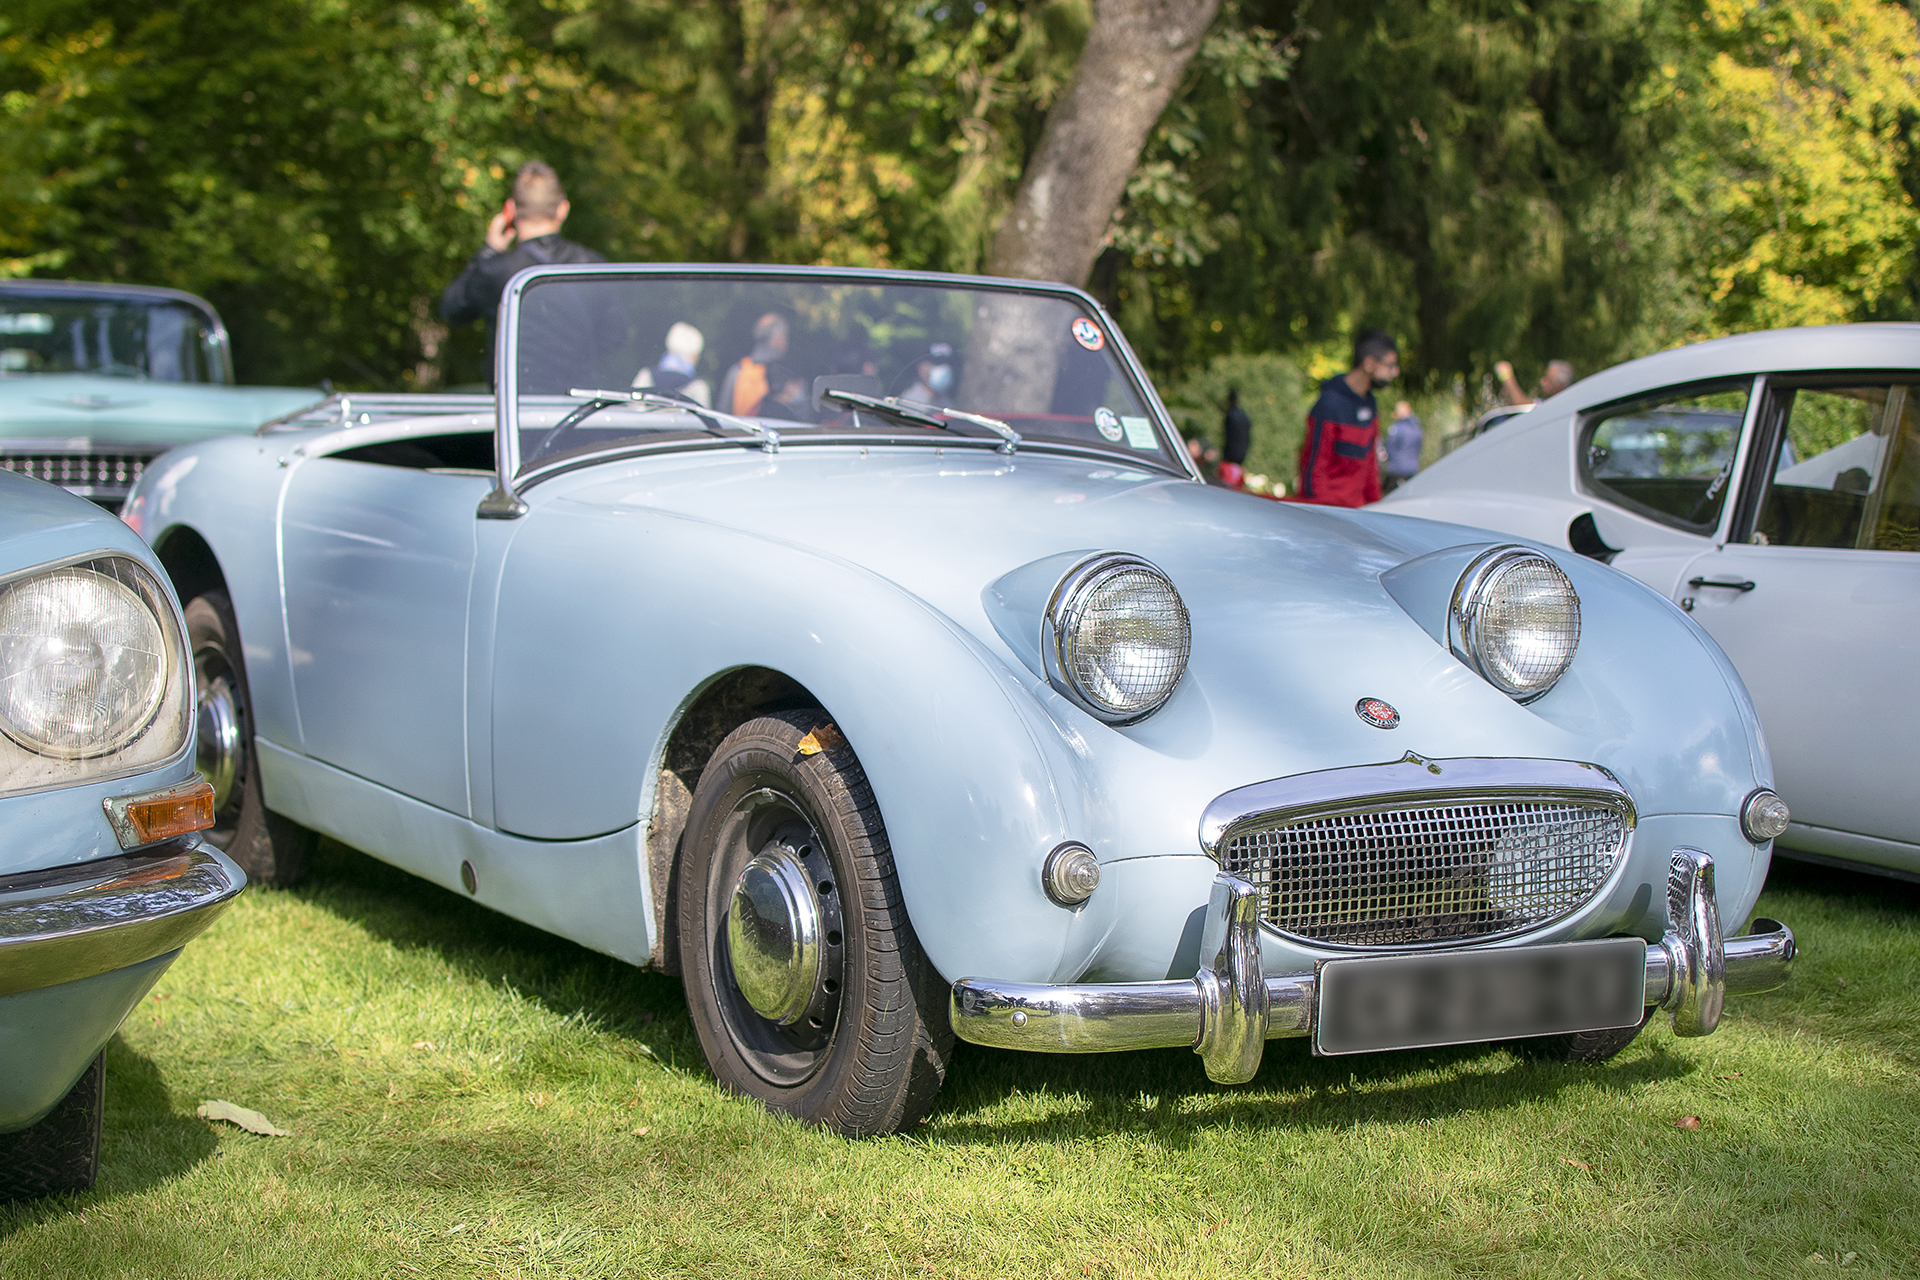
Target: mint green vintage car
{"x":97,"y":379}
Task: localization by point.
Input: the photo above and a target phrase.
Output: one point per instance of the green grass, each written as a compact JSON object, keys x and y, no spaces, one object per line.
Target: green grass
{"x":471,"y":1097}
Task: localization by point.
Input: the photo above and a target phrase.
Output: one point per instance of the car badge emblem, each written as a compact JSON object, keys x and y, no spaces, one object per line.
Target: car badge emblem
{"x":1380,"y":715}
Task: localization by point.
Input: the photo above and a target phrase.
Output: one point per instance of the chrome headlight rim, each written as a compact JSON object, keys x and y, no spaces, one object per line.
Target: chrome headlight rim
{"x":1065,"y":609}
{"x":1753,"y":825}
{"x":1464,"y":617}
{"x":131,"y":574}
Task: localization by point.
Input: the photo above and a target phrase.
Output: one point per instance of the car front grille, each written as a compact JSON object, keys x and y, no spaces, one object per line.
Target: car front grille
{"x":1445,"y":870}
{"x":91,"y":475}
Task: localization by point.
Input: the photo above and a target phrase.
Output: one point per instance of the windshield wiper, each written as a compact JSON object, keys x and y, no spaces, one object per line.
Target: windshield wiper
{"x":709,"y":418}
{"x":926,"y":415}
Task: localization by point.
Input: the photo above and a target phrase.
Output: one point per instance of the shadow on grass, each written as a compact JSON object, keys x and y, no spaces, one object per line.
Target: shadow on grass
{"x":148,"y":1138}
{"x":1881,"y":899}
{"x":410,"y":914}
{"x":1294,"y":1089}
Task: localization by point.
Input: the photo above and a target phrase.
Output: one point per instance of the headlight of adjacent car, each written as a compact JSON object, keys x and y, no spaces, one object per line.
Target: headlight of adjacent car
{"x":92,"y":673}
{"x":1117,"y":637}
{"x":1515,"y":620}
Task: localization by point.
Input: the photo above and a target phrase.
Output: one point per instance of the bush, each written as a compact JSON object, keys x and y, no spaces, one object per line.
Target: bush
{"x":1276,"y":395}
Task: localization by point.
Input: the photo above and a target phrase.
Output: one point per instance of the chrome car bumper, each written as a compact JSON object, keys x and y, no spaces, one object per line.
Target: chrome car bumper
{"x":68,"y":923}
{"x":1229,"y":1009}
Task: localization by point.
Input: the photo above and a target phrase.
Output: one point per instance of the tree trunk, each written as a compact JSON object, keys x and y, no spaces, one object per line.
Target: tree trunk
{"x":1135,"y":54}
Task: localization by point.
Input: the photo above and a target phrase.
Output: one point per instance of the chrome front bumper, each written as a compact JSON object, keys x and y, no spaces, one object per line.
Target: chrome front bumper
{"x":1230,"y":1009}
{"x":88,"y":918}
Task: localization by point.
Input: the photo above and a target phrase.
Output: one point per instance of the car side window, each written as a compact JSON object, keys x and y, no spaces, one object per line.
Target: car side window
{"x":1668,"y":456}
{"x":1844,"y":469}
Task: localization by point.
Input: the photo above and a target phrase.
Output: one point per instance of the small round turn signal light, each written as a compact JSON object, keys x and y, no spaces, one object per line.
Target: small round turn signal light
{"x":1763,"y":816}
{"x":1071,"y":874}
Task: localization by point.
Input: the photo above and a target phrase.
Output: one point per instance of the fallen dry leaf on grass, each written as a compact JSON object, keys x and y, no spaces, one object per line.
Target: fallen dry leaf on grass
{"x":1687,"y":1122}
{"x":1734,"y":1076}
{"x":1578,"y":1164}
{"x":251,"y":1121}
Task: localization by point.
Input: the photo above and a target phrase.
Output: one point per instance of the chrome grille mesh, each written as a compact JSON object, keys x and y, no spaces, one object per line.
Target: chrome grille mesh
{"x":88,"y":474}
{"x":1445,"y":871}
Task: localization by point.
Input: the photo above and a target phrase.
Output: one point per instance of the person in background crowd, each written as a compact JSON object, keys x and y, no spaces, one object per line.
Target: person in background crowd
{"x":933,"y":378}
{"x":525,"y":233}
{"x":1337,"y":466}
{"x":1400,"y":451}
{"x":1236,"y":435}
{"x":1206,"y":458}
{"x":746,"y":383}
{"x":677,"y":370}
{"x":1557,"y":378}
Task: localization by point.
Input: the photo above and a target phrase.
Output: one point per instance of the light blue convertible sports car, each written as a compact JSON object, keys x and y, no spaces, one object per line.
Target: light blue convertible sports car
{"x":862,"y":647}
{"x":102,"y":877}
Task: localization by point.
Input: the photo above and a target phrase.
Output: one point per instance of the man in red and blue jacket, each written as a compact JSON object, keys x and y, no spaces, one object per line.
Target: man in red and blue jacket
{"x":1337,"y":464}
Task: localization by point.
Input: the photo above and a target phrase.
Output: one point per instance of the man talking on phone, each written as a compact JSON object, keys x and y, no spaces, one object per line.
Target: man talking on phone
{"x":525,"y":233}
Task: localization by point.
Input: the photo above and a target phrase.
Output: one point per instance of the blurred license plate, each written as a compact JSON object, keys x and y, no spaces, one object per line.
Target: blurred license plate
{"x":1371,"y":1003}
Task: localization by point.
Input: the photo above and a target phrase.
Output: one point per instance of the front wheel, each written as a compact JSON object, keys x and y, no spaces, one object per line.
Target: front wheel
{"x":268,"y":847}
{"x":62,"y":1151}
{"x":806,"y":983}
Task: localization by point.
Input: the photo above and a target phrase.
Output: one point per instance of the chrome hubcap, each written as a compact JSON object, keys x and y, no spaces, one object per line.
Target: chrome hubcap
{"x":773,"y":935}
{"x":217,"y":725}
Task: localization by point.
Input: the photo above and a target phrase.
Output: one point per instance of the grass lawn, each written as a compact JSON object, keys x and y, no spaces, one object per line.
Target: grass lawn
{"x":468,"y":1096}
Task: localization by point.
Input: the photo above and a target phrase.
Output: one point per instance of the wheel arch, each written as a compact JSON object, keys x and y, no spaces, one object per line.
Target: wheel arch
{"x":190,"y":561}
{"x":710,"y":713}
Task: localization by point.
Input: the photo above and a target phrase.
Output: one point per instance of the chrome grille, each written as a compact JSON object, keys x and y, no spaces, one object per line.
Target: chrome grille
{"x":1449,"y":870}
{"x":91,"y":475}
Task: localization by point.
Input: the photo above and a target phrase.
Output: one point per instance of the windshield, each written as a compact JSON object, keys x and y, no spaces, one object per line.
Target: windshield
{"x":772,"y":350}
{"x":126,"y":337}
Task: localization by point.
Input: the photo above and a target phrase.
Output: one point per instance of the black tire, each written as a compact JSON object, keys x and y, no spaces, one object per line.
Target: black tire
{"x":870,"y":1050}
{"x":1582,"y":1046}
{"x":268,"y":847}
{"x":61,"y":1152}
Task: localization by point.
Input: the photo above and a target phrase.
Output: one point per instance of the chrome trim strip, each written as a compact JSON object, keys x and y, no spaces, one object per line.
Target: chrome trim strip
{"x":94,"y":917}
{"x":503,"y":503}
{"x":1411,"y":779}
{"x":1228,"y":1010}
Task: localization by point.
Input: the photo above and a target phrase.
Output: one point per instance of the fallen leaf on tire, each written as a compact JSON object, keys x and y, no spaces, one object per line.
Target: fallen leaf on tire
{"x":1687,"y":1122}
{"x":251,"y":1121}
{"x":825,"y":738}
{"x":1578,"y":1164}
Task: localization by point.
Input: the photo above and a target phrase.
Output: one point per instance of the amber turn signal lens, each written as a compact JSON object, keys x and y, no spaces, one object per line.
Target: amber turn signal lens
{"x":172,"y":813}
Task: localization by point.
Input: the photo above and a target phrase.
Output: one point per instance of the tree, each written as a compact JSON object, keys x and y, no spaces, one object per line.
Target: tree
{"x":1134,"y":59}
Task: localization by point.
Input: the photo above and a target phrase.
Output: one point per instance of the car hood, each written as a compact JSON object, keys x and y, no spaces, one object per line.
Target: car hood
{"x":80,"y":407}
{"x":1292,"y":625}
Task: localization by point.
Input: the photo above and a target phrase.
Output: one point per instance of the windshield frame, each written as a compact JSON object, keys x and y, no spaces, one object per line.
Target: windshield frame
{"x":504,"y":502}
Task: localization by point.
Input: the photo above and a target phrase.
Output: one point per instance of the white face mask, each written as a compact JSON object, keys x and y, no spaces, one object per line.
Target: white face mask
{"x":941,"y":378}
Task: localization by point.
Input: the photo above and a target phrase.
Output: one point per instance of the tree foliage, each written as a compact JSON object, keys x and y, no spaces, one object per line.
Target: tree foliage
{"x":1528,"y":179}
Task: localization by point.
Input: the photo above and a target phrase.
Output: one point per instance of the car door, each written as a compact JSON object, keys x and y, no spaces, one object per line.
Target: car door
{"x":377,"y":562}
{"x":1815,"y":594}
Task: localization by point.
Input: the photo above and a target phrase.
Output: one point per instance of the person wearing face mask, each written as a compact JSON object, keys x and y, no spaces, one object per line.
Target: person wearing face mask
{"x":933,"y":381}
{"x":1337,"y":466}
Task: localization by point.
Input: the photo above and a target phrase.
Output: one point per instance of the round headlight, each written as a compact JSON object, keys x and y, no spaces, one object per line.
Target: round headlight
{"x":1764,"y":816}
{"x":1117,"y":637}
{"x":83,"y":663}
{"x":1516,"y":620}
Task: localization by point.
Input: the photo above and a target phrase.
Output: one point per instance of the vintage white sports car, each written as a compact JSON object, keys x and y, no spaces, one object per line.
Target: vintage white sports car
{"x":1770,"y":485}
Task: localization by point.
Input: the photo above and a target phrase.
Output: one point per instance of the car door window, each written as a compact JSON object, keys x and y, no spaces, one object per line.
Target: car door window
{"x":1844,"y":469}
{"x":1670,"y":455}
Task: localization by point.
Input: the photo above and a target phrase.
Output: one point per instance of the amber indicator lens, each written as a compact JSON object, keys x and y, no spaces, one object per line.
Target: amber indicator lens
{"x":177,"y":813}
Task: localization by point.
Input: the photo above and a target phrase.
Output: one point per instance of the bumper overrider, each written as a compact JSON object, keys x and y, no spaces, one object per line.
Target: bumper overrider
{"x":1229,"y":1009}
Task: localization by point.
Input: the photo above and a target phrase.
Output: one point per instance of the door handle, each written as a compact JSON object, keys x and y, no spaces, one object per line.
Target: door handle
{"x":1697,"y":583}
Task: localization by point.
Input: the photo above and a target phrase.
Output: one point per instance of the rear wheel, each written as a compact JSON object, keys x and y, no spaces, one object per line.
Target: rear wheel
{"x":807,"y":986}
{"x":62,"y":1151}
{"x":268,"y":847}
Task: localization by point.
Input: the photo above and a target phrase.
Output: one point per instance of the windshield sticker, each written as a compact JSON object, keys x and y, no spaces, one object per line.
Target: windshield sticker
{"x":1139,"y":433}
{"x":1088,"y":335}
{"x":1109,"y":425}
